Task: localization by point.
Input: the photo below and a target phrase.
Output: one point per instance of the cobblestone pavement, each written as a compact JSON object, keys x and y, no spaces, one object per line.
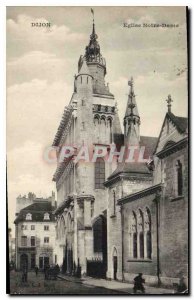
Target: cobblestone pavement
{"x":38,"y":285}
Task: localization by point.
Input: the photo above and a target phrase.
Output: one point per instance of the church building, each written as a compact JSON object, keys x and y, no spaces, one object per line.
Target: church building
{"x":117,"y":219}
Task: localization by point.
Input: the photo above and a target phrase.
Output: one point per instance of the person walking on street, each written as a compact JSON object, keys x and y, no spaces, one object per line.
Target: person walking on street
{"x":25,"y":274}
{"x":138,"y":284}
{"x":36,"y":270}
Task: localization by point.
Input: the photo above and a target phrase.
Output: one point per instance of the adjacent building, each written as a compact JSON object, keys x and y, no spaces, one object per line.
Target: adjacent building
{"x":35,"y":234}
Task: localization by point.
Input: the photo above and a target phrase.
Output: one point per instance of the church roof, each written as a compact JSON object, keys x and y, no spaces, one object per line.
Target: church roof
{"x":37,"y":210}
{"x":149,"y":143}
{"x":131,"y":168}
{"x":180,"y":122}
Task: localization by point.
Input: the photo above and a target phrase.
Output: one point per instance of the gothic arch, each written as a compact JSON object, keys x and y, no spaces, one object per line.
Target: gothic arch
{"x":148,"y":220}
{"x":69,"y":220}
{"x":96,"y":218}
{"x":109,"y":120}
{"x":148,"y":233}
{"x":114,"y":251}
{"x":141,"y":233}
{"x":134,"y":234}
{"x":96,"y":118}
{"x":103,"y":118}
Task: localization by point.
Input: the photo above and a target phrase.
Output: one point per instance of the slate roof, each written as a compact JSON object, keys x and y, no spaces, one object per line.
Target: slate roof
{"x":37,"y":209}
{"x":180,"y":122}
{"x":136,"y":167}
{"x":150,"y":143}
{"x":131,"y":168}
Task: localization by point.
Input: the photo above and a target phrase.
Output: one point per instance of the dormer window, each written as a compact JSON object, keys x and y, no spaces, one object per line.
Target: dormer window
{"x":29,"y":216}
{"x":46,"y":216}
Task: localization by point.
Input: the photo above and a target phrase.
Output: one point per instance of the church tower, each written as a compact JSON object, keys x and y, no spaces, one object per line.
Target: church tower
{"x":131,"y":119}
{"x":91,"y":119}
{"x":84,"y":85}
{"x":96,"y":64}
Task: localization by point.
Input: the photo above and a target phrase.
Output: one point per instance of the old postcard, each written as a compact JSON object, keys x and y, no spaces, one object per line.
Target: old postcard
{"x":97,"y":150}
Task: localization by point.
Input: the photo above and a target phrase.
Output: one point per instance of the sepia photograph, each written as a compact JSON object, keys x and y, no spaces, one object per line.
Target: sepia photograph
{"x":97,"y":150}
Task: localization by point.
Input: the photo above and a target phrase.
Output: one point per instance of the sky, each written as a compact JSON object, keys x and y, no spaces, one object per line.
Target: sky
{"x":42,"y":62}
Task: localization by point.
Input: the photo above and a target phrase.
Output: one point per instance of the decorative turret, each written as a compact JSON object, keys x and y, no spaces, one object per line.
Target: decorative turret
{"x":93,"y":49}
{"x":96,"y":64}
{"x":84,"y":80}
{"x":84,"y":86}
{"x":131,"y":119}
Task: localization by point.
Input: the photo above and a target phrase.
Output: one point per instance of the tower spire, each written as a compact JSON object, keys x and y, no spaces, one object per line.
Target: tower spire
{"x":93,"y":30}
{"x":131,"y":119}
{"x":131,"y":109}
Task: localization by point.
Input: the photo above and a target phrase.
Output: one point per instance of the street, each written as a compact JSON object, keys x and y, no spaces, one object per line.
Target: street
{"x":38,"y":285}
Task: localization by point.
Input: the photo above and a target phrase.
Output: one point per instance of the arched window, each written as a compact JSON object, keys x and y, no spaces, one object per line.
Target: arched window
{"x":149,"y":244}
{"x":141,"y":234}
{"x":97,"y":231}
{"x":134,"y":229}
{"x":149,"y":235}
{"x":179,"y":177}
{"x":99,"y":173}
{"x":135,"y":244}
{"x":109,"y":125}
{"x":141,"y":244}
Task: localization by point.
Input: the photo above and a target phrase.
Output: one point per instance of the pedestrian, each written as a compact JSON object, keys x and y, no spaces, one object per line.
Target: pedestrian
{"x":138,"y":283}
{"x":36,"y":270}
{"x":25,"y":274}
{"x":46,"y":271}
{"x":57,"y":269}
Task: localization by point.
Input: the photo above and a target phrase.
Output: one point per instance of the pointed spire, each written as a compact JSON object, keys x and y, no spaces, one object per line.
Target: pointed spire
{"x":93,"y":36}
{"x":131,"y":109}
{"x":93,"y":31}
{"x":169,"y":101}
{"x":93,"y":49}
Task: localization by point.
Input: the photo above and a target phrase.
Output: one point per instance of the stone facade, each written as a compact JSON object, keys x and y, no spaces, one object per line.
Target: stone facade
{"x":167,"y":202}
{"x":35,"y":234}
{"x":132,"y":218}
